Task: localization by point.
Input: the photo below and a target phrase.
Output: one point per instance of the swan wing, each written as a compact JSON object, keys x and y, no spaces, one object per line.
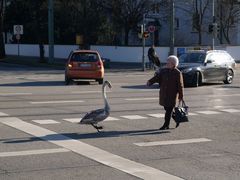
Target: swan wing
{"x":94,"y":117}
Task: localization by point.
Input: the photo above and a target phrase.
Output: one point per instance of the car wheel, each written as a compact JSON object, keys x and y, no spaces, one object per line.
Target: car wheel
{"x":195,"y":82}
{"x":100,"y":81}
{"x":229,"y":77}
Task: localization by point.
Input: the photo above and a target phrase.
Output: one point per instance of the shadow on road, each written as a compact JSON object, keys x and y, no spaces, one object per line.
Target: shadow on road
{"x":230,"y":87}
{"x":102,"y":134}
{"x":154,"y":86}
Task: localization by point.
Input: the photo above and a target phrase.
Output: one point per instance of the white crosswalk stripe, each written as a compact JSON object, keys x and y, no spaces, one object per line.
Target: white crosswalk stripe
{"x":192,"y":114}
{"x":132,"y":117}
{"x":183,"y":141}
{"x":77,"y":120}
{"x":208,"y":112}
{"x":111,"y":119}
{"x":156,"y":115}
{"x":230,"y":110}
{"x":3,"y":114}
{"x":46,"y":121}
{"x":73,"y":120}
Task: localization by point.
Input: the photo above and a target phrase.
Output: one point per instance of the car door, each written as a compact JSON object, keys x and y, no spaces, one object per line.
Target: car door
{"x":223,"y":61}
{"x":212,"y":67}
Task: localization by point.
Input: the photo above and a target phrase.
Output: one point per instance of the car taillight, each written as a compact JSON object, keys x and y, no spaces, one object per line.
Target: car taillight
{"x":99,"y":64}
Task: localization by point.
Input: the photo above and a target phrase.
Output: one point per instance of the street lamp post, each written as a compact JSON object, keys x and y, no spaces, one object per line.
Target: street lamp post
{"x":50,"y":31}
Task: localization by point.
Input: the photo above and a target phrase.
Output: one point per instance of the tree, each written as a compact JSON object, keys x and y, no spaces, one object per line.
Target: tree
{"x":33,"y":16}
{"x":127,"y":14}
{"x":228,"y":14}
{"x":197,"y":10}
{"x":2,"y":45}
{"x":79,"y":17}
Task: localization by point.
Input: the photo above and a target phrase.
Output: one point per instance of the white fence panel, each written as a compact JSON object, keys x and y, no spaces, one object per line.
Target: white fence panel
{"x":114,"y":53}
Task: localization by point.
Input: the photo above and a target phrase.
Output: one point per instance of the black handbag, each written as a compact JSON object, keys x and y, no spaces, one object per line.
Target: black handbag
{"x":180,"y":113}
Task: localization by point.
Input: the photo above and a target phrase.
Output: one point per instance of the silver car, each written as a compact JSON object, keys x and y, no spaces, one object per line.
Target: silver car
{"x":200,"y":67}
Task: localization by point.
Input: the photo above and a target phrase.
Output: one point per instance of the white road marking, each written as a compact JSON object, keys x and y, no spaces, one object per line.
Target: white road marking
{"x":3,"y":114}
{"x":224,"y":95}
{"x":33,"y":152}
{"x":77,"y":120}
{"x":46,"y":121}
{"x":184,"y":141}
{"x":217,"y":100}
{"x":217,"y":107}
{"x":14,"y":94}
{"x":192,"y":114}
{"x":55,"y":102}
{"x":111,"y":119}
{"x":136,"y":169}
{"x":85,"y":92}
{"x":208,"y":112}
{"x":140,"y":99}
{"x":132,"y":117}
{"x":157,"y":115}
{"x":222,"y":89}
{"x":230,"y":110}
{"x":73,"y":120}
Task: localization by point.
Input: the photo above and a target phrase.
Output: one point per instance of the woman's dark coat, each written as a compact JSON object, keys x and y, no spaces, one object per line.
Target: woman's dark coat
{"x":171,"y":86}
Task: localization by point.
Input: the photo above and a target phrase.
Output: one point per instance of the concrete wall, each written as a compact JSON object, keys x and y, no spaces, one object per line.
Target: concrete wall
{"x":114,"y":53}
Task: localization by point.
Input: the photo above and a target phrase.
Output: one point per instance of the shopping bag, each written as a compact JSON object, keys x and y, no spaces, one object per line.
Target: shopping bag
{"x":180,"y":113}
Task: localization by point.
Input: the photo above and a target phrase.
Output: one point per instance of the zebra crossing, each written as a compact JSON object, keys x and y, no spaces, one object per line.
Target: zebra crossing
{"x":130,"y":116}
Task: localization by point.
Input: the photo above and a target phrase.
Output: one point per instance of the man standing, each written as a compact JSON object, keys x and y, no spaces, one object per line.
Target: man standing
{"x":153,"y":58}
{"x":171,"y":88}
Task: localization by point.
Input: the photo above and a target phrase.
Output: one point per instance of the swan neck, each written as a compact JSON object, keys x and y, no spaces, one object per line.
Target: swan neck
{"x":107,"y":107}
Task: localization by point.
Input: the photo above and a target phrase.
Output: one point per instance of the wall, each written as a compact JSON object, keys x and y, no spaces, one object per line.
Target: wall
{"x":114,"y":53}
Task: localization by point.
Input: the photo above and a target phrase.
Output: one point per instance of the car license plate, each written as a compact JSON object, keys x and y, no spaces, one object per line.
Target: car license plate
{"x":85,"y":65}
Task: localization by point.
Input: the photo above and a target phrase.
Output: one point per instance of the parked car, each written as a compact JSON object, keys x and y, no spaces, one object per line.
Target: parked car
{"x":84,"y":64}
{"x":200,"y":67}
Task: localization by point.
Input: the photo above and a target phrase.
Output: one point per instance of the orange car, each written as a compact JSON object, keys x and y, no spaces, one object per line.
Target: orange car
{"x":84,"y":64}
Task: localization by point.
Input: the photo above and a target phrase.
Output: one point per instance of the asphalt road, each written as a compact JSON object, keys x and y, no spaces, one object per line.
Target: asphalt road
{"x":41,"y":140}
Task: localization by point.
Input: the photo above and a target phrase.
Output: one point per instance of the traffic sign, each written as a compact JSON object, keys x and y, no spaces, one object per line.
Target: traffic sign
{"x":151,"y":28}
{"x":18,"y":29}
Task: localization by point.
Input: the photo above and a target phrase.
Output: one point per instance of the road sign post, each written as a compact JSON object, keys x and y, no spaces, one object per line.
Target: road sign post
{"x":18,"y":37}
{"x":18,"y":31}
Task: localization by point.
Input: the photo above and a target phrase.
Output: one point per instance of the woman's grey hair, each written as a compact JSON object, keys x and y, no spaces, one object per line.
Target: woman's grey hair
{"x":173,"y":59}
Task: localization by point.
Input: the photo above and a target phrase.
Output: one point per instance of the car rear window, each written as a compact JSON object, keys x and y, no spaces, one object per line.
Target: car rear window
{"x":84,"y":57}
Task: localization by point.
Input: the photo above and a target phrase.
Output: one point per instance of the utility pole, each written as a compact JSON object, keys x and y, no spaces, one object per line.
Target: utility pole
{"x":172,"y":26}
{"x":143,"y":44}
{"x":214,"y":25}
{"x":50,"y":31}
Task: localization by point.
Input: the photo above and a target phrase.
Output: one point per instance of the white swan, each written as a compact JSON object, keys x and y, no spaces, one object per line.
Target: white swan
{"x":95,"y":116}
